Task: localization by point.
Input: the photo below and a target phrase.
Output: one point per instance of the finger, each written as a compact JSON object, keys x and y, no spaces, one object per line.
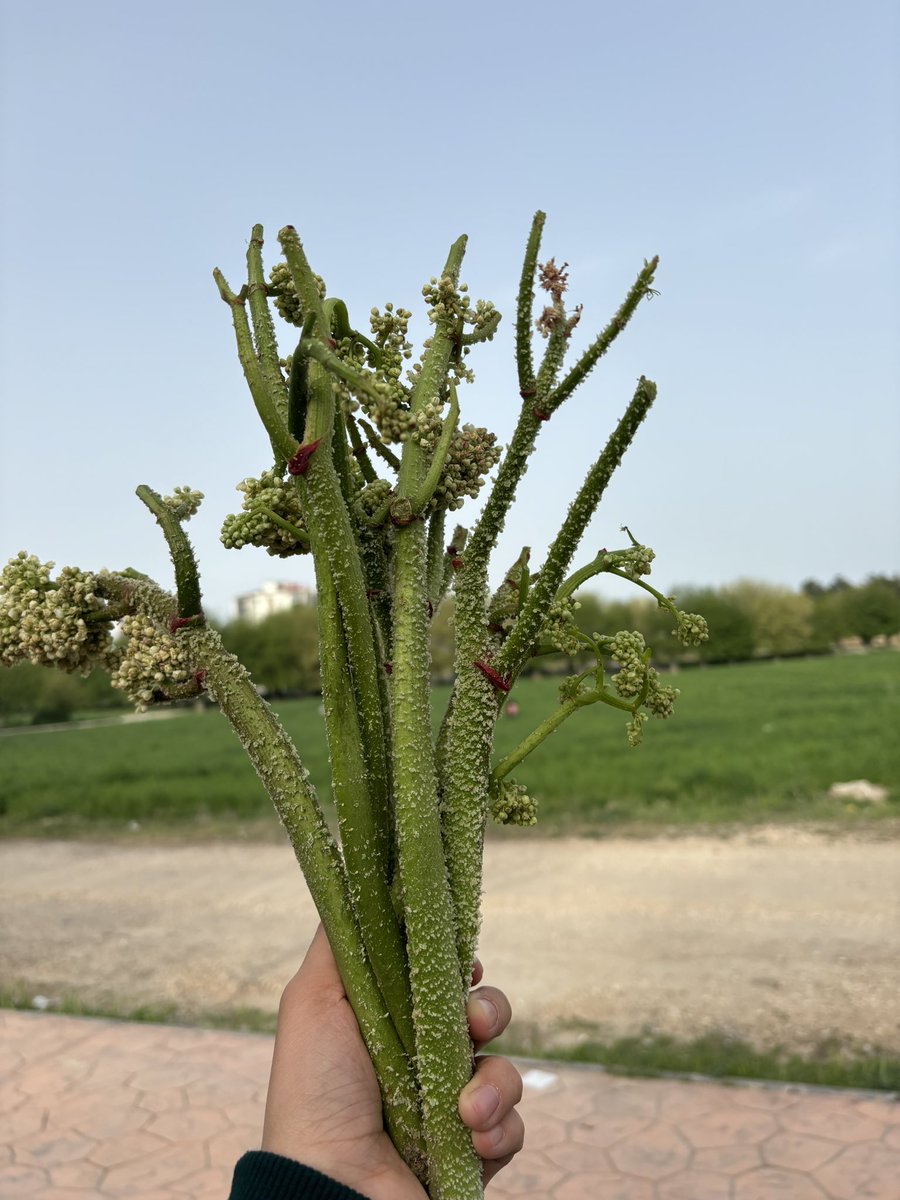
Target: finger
{"x":488,"y":1013}
{"x":477,"y":973}
{"x":502,"y":1141}
{"x":491,"y":1094}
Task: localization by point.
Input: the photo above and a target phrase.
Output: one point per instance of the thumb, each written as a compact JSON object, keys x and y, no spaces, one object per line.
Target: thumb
{"x":319,"y":969}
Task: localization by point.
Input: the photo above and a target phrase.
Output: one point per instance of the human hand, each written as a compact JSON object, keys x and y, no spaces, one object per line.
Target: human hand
{"x":324,"y":1107}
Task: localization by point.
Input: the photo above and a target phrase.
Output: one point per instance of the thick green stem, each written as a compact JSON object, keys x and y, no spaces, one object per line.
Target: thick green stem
{"x":465,"y":744}
{"x":443,"y":1049}
{"x":263,"y":326}
{"x":525,"y":307}
{"x":305,"y":282}
{"x":369,"y":884}
{"x":187,"y":578}
{"x":338,"y":564}
{"x":434,"y":573}
{"x":283,"y":444}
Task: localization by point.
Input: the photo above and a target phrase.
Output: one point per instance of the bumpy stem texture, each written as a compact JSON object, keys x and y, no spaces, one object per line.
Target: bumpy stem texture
{"x":443,"y":1049}
{"x":187,"y":579}
{"x":528,"y":624}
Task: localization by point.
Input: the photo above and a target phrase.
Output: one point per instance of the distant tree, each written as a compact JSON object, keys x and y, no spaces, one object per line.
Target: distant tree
{"x":844,"y":610}
{"x":874,"y":608}
{"x":28,"y":691}
{"x":782,"y":619}
{"x":731,"y":632}
{"x":281,"y":652}
{"x":57,"y":700}
{"x":20,"y":687}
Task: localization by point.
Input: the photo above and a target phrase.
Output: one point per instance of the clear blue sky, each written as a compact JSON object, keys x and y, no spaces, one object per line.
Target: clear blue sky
{"x":753,"y":146}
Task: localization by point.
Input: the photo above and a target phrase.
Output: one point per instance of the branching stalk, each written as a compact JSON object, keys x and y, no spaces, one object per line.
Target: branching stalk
{"x":187,"y":578}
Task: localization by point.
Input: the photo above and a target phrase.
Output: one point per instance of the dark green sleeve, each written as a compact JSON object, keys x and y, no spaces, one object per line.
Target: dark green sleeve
{"x":263,"y":1176}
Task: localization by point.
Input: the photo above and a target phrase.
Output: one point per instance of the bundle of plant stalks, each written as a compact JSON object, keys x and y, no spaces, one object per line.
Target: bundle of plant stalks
{"x":369,"y":456}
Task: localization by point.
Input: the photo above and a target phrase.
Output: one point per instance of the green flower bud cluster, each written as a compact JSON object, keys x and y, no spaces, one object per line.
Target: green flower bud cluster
{"x":151,"y":663}
{"x":560,"y":628}
{"x":389,"y":335}
{"x":691,"y":629}
{"x":183,"y":502}
{"x":47,"y":623}
{"x":473,"y":453}
{"x":370,"y":499}
{"x":635,"y":727}
{"x":391,"y":413}
{"x":630,"y":651}
{"x":284,"y":294}
{"x":445,"y":301}
{"x":636,"y":676}
{"x":253,"y":527}
{"x":635,"y":561}
{"x":511,"y":804}
{"x":453,"y":306}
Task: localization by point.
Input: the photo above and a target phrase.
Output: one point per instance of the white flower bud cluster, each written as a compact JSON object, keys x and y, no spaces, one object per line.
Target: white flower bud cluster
{"x":473,"y":453}
{"x":183,"y":502}
{"x":511,"y":804}
{"x":445,"y":301}
{"x":45,"y":623}
{"x":691,"y":629}
{"x":284,"y":294}
{"x":150,"y":663}
{"x":482,"y":318}
{"x":251,"y":527}
{"x":425,"y":427}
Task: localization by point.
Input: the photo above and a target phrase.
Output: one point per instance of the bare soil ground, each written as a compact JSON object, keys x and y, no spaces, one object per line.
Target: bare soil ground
{"x":778,"y":936}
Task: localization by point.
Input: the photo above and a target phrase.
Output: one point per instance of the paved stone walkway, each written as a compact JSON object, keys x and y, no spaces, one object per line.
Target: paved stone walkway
{"x":113,"y":1110}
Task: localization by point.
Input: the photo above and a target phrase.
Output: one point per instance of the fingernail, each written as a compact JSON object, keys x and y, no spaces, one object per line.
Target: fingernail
{"x":485,"y":1101}
{"x":487,"y":1010}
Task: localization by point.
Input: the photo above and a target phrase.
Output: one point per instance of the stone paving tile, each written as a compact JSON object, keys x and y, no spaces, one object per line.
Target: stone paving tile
{"x":101,"y":1110}
{"x":695,"y":1185}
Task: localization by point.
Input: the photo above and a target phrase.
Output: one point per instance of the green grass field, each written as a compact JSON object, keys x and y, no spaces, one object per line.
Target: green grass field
{"x":752,"y":742}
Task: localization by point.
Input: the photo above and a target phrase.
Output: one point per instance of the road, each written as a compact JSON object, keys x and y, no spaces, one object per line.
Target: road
{"x":779,"y":936}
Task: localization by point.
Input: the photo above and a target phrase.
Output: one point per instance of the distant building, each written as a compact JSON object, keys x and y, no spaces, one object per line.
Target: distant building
{"x":272,"y":598}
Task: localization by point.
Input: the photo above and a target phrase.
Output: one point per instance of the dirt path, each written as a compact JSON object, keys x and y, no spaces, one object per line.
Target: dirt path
{"x":780,"y":936}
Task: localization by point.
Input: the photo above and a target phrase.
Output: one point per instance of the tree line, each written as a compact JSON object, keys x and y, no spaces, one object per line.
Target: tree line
{"x":747,"y":620}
